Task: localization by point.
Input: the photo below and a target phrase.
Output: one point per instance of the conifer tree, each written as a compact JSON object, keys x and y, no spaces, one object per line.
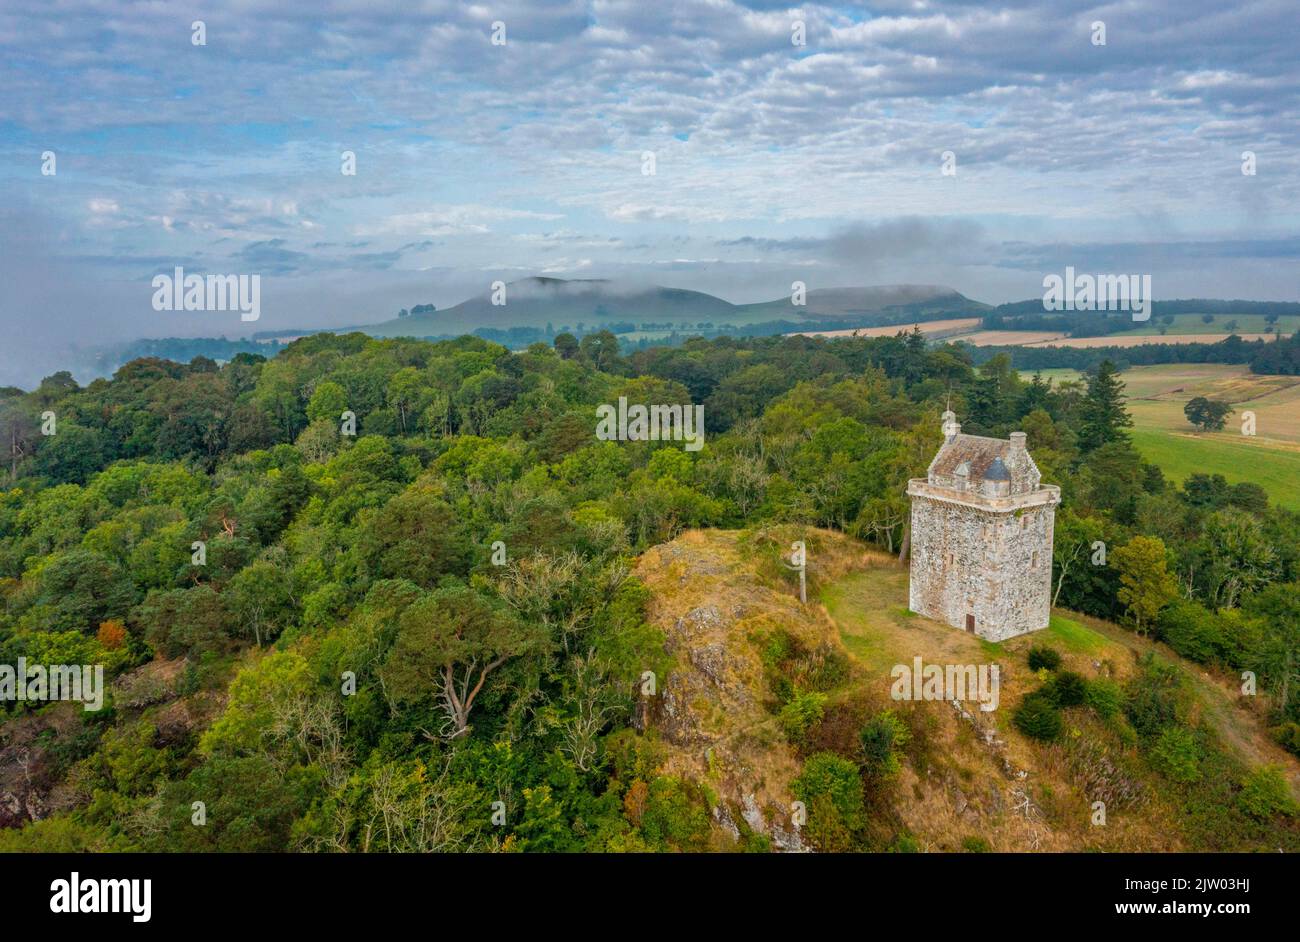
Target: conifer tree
{"x":1104,"y":416}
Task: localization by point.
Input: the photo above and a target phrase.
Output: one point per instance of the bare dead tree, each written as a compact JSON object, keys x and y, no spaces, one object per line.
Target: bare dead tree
{"x":1065,"y":563}
{"x":418,"y":814}
{"x":594,"y":704}
{"x":309,"y":726}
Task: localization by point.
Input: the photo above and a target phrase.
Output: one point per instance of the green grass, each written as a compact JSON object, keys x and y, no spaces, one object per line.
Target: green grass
{"x":1180,"y":456}
{"x":1163,"y":436}
{"x":1057,"y":374}
{"x":1074,"y":636}
{"x":1192,"y":324}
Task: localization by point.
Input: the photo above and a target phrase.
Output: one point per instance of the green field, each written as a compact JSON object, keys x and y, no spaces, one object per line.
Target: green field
{"x":1278,"y":472}
{"x":1193,"y":324}
{"x":1270,"y":458}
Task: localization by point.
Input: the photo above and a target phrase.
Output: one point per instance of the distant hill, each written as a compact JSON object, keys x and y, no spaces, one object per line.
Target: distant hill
{"x":536,"y":302}
{"x":564,"y":304}
{"x":885,"y":302}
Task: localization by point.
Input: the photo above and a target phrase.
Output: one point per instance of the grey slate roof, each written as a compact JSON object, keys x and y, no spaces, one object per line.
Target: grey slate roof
{"x":977,"y":451}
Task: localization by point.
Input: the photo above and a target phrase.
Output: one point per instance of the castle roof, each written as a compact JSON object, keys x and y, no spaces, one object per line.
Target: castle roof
{"x":975,"y":451}
{"x":982,"y":472}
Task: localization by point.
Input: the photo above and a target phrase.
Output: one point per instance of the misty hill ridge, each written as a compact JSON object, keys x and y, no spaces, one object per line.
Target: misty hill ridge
{"x":538,"y":301}
{"x":876,"y":299}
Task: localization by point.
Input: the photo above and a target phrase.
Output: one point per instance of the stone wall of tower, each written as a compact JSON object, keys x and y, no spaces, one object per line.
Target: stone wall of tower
{"x":1022,"y":561}
{"x":969,"y":561}
{"x":948,"y":564}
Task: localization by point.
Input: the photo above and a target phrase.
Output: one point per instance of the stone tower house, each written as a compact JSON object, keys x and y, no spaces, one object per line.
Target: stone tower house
{"x":982,"y":536}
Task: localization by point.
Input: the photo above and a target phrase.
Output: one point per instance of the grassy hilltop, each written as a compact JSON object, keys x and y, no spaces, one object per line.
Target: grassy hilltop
{"x":761,"y":685}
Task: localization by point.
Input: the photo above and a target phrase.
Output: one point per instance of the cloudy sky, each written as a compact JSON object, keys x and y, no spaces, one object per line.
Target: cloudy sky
{"x":773,"y":161}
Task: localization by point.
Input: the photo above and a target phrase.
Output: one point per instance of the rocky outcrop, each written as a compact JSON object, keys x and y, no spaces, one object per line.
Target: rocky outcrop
{"x":712,"y":711}
{"x":29,"y":775}
{"x":34,"y":784}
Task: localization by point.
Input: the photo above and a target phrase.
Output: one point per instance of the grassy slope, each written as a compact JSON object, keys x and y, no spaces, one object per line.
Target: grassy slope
{"x":878,"y":631}
{"x":956,"y":783}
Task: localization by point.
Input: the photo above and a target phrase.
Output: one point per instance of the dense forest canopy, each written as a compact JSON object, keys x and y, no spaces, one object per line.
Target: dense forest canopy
{"x":380,"y":634}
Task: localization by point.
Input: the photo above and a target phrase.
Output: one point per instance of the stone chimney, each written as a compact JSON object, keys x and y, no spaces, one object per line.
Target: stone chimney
{"x":1017,"y":460}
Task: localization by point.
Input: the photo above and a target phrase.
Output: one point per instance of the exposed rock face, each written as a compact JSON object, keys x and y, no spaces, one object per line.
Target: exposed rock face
{"x":722,"y":815}
{"x":712,"y":711}
{"x":33,"y":785}
{"x":981,"y":532}
{"x":29,"y":789}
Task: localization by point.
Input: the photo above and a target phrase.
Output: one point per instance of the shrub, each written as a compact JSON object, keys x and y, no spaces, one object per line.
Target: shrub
{"x":1104,"y":697}
{"x":1288,"y":735}
{"x":830,"y":787}
{"x":1040,"y":658}
{"x":880,"y":737}
{"x":1152,"y":698}
{"x":1037,"y":717}
{"x":975,"y":845}
{"x":779,"y":650}
{"x":112,"y":634}
{"x":1176,"y":756}
{"x":1192,"y":630}
{"x":804,"y":710}
{"x":676,"y":815}
{"x":1068,"y":689}
{"x":905,"y":844}
{"x":1264,"y":793}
